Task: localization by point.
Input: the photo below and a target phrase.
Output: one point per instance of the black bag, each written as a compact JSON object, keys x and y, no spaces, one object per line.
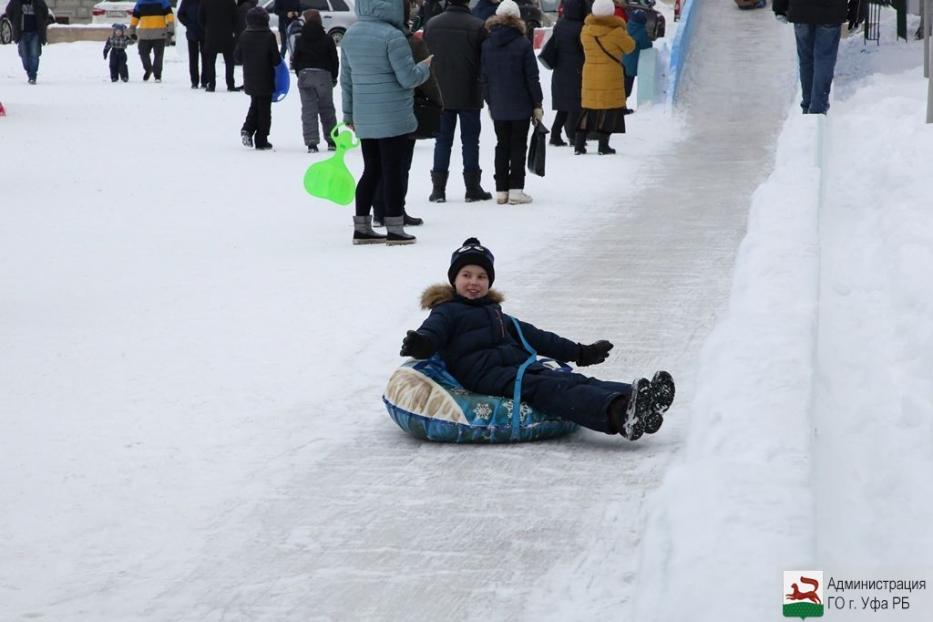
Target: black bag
{"x":536,"y":150}
{"x":428,"y":115}
{"x":548,"y":55}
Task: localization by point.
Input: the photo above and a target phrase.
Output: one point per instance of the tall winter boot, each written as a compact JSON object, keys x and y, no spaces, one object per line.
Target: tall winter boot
{"x":579,"y":142}
{"x":474,"y":191}
{"x":627,"y":416}
{"x":604,"y":148}
{"x":439,"y":192}
{"x":363,"y":231}
{"x":662,"y":396}
{"x":395,"y":225}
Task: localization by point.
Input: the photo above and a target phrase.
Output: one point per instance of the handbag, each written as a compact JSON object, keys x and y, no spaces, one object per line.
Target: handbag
{"x":548,"y":55}
{"x":428,"y":115}
{"x":536,"y":149}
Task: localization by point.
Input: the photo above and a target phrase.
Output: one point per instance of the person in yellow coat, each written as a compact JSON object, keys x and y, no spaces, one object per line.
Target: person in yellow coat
{"x":605,"y":41}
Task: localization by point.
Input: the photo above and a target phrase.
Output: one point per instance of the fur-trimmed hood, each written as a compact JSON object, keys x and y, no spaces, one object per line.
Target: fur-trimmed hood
{"x":442,"y":292}
{"x":506,"y":20}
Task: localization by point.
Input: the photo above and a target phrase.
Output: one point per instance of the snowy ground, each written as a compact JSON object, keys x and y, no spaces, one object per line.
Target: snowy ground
{"x":192,"y":357}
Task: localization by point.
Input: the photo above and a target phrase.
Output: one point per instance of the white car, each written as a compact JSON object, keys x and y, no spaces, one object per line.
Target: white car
{"x":112,"y":12}
{"x":337,"y":15}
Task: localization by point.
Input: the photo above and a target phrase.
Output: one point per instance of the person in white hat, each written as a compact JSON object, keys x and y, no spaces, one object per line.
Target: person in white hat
{"x":605,"y":41}
{"x":513,"y":91}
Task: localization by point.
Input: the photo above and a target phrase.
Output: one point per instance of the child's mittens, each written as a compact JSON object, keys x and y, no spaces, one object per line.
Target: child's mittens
{"x":594,"y":353}
{"x":416,"y":346}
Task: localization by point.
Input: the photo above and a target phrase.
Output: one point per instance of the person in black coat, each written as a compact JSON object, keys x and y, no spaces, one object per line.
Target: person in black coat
{"x":455,"y":37}
{"x":317,"y":66}
{"x":258,"y":52}
{"x":511,"y":87}
{"x":568,"y":70}
{"x":482,"y":348}
{"x":242,"y":8}
{"x":288,"y":11}
{"x":818,"y":28}
{"x":189,"y":12}
{"x":30,"y":22}
{"x":218,"y":19}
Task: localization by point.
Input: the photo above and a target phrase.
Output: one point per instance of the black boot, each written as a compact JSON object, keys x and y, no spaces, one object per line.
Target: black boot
{"x":363,"y":231}
{"x":579,"y":142}
{"x":662,"y":396}
{"x":439,"y":193}
{"x":627,"y":416}
{"x":411,"y":221}
{"x":474,"y":191}
{"x":397,"y":236}
{"x":604,"y":148}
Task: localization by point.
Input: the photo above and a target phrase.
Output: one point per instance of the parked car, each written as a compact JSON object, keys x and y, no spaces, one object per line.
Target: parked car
{"x":337,"y":15}
{"x":532,"y":14}
{"x":112,"y":12}
{"x":6,"y":28}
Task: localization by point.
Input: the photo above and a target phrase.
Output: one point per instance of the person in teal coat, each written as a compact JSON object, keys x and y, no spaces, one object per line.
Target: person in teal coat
{"x":377,"y":81}
{"x":638,"y":30}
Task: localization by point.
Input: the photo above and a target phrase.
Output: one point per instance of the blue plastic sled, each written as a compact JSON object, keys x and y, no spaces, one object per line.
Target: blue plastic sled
{"x":428,"y":403}
{"x":282,"y":81}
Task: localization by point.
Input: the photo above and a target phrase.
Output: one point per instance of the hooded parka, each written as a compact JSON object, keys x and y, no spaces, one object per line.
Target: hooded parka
{"x":568,"y":71}
{"x":258,"y":51}
{"x":603,"y":78}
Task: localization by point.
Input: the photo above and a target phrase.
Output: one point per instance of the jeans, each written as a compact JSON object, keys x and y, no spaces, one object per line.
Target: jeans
{"x":259,"y":119}
{"x":469,"y":138}
{"x":154,"y":66}
{"x":194,"y":57}
{"x":511,"y":147}
{"x":816,"y":53}
{"x":383,"y":166}
{"x":30,"y":50}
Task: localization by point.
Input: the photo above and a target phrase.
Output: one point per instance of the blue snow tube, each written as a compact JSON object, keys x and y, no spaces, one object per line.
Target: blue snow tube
{"x":282,"y":81}
{"x":428,"y":403}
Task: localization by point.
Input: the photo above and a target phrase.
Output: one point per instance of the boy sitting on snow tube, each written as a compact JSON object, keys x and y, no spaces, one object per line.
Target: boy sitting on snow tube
{"x":491,"y":353}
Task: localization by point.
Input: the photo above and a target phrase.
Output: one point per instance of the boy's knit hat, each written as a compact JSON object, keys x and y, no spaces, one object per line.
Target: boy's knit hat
{"x":257,"y":16}
{"x":509,"y":7}
{"x":472,"y":253}
{"x":603,"y":8}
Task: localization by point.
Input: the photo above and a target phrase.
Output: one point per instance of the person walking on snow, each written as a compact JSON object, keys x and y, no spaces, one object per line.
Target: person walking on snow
{"x":511,"y":87}
{"x":568,"y":70}
{"x":30,"y":22}
{"x":482,"y":349}
{"x":817,"y":28}
{"x":455,"y":37}
{"x":317,"y":66}
{"x":189,"y":15}
{"x":153,"y":23}
{"x":377,"y":79}
{"x":116,"y":47}
{"x":218,"y":19}
{"x":259,"y":54}
{"x":605,"y":40}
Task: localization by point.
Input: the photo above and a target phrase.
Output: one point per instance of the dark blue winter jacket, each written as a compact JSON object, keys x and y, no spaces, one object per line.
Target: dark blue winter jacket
{"x":485,"y":9}
{"x":510,"y":71}
{"x":568,"y":71}
{"x":188,"y":12}
{"x":478,"y":341}
{"x":638,"y":31}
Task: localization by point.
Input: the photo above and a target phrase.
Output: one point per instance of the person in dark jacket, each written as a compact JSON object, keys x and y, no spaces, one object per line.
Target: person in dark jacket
{"x":30,"y":22}
{"x":485,"y":9}
{"x":317,"y":67}
{"x":568,"y":70}
{"x":288,"y":11}
{"x":638,"y":31}
{"x":258,"y":52}
{"x":116,"y":46}
{"x":218,"y":19}
{"x":482,"y":348}
{"x":511,"y":87}
{"x":455,"y":37}
{"x":817,"y":27}
{"x":242,"y":8}
{"x":189,"y":16}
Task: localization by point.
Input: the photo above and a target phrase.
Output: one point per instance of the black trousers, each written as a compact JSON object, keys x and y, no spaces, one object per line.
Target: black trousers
{"x":511,"y":147}
{"x":157,"y":48}
{"x":259,"y":119}
{"x":118,"y":68}
{"x":383,"y":161}
{"x":379,"y":203}
{"x":566,"y":121}
{"x":195,"y":49}
{"x":208,"y":72}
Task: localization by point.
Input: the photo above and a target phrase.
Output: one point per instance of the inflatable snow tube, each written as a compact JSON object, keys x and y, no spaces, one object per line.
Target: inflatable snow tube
{"x":428,"y":403}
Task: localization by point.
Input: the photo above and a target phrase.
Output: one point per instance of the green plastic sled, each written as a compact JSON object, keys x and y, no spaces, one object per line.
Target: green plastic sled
{"x":331,"y":179}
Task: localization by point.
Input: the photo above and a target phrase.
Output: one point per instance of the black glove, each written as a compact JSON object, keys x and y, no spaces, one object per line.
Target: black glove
{"x":416,"y":345}
{"x":593,"y":353}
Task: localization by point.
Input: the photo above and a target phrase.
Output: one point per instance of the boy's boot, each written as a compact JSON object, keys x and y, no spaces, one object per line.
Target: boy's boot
{"x":502,"y":197}
{"x":246,"y":138}
{"x":474,"y":191}
{"x":363,"y":231}
{"x":396,"y":231}
{"x":439,"y":192}
{"x":517,"y":196}
{"x":604,"y":148}
{"x":662,"y":396}
{"x":579,"y":143}
{"x":627,"y":415}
